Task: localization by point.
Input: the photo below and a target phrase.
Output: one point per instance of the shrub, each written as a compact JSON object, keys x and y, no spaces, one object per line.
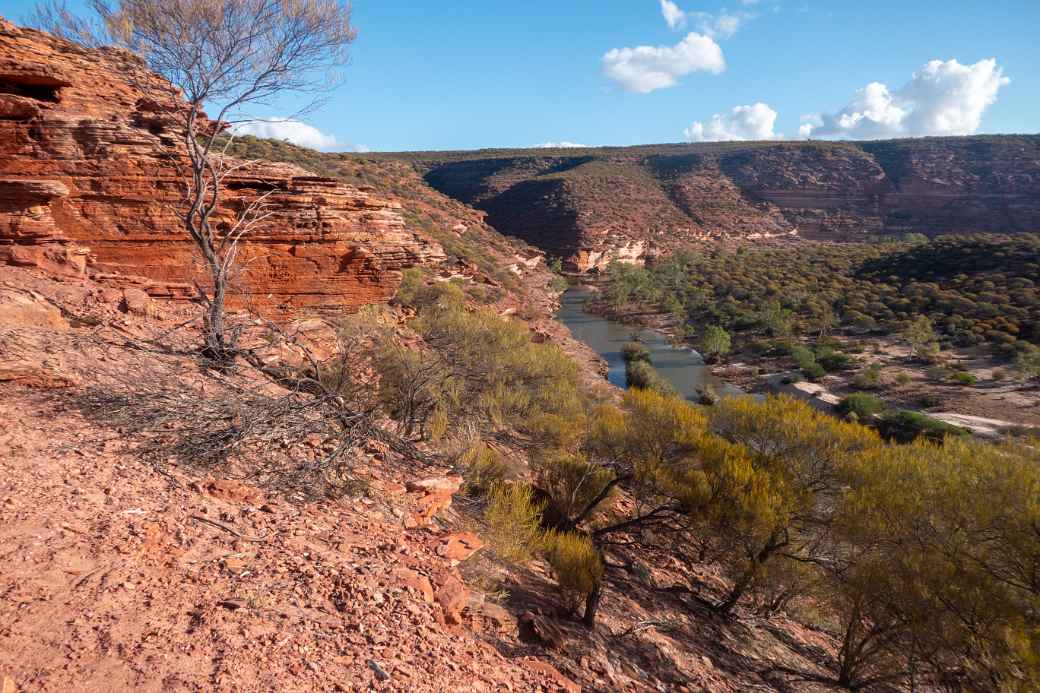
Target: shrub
{"x":498,"y":377}
{"x":641,"y":375}
{"x":920,"y":333}
{"x":950,"y":565}
{"x":635,"y":351}
{"x":864,"y":406}
{"x":418,"y":290}
{"x":485,"y":469}
{"x":575,"y":562}
{"x":903,"y":378}
{"x":1028,"y":362}
{"x":868,"y":378}
{"x":572,"y":483}
{"x":928,"y":401}
{"x":814,"y":372}
{"x":803,"y":358}
{"x":964,"y":378}
{"x":832,"y":360}
{"x":716,"y":342}
{"x":513,"y":521}
{"x":907,"y":426}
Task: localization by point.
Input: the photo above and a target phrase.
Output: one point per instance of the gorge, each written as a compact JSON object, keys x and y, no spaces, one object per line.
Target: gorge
{"x":590,"y":206}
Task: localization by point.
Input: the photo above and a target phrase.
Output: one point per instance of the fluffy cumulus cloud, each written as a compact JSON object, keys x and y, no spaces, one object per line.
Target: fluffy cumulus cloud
{"x":673,"y":15}
{"x":942,"y":98}
{"x":647,"y":68}
{"x":560,"y":145}
{"x":754,"y":122}
{"x":290,"y":130}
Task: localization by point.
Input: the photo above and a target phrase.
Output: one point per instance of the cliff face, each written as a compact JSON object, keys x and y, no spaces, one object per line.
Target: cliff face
{"x":595,"y":205}
{"x":90,"y":182}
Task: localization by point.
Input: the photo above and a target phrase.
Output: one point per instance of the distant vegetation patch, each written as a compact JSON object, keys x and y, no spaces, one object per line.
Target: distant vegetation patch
{"x":971,"y":290}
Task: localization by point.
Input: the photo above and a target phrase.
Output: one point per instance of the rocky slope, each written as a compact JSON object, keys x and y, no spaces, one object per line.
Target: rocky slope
{"x":594,"y":205}
{"x":90,"y":182}
{"x":124,"y":569}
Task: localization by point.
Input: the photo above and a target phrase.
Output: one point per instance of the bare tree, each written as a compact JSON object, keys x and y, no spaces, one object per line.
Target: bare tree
{"x":228,"y":55}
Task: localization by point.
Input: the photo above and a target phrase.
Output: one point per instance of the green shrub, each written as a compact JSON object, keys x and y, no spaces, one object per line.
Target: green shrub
{"x":832,"y":360}
{"x":418,"y":290}
{"x":635,"y":351}
{"x":928,"y":401}
{"x":868,"y":378}
{"x":963,"y":378}
{"x":1028,"y":362}
{"x":906,"y":426}
{"x":513,"y":522}
{"x":641,"y":375}
{"x":485,"y":469}
{"x":803,"y":358}
{"x":864,"y":406}
{"x":716,"y":342}
{"x":814,"y":372}
{"x":575,"y":562}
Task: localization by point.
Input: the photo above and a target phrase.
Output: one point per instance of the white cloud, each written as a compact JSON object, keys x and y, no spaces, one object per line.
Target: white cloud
{"x":720,"y":26}
{"x":753,"y":122}
{"x":674,"y":17}
{"x":723,"y":25}
{"x":290,"y":130}
{"x":942,"y":98}
{"x":646,"y":68}
{"x":560,"y":145}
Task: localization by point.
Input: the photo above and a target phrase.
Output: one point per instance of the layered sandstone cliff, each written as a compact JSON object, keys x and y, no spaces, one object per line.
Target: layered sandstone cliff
{"x":595,"y":205}
{"x":91,"y":166}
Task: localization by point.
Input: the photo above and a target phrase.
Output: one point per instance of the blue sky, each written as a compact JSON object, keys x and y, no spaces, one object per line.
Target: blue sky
{"x":468,"y":74}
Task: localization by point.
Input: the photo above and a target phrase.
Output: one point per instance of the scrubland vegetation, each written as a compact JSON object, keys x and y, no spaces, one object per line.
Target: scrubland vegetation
{"x":921,"y":559}
{"x":951,"y":291}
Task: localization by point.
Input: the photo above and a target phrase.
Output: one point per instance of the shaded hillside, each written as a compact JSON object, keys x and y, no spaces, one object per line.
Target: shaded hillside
{"x":586,"y":204}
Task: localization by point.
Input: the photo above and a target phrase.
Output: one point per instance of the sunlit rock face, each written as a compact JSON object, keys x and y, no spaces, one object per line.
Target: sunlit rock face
{"x":91,"y":181}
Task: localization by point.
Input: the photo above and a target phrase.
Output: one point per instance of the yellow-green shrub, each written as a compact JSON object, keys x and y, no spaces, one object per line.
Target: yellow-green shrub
{"x":513,"y":522}
{"x":575,"y":562}
{"x":572,"y":483}
{"x":485,"y":468}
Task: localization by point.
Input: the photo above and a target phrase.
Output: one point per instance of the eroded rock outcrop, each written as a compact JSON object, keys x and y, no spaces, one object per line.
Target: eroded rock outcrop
{"x":91,"y":177}
{"x":590,"y":206}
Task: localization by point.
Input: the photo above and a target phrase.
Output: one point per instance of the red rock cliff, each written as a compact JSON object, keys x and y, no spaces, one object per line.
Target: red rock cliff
{"x":89,"y":183}
{"x":594,"y":205}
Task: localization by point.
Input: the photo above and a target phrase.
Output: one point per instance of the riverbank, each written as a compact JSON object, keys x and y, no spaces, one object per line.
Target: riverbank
{"x":971,"y":390}
{"x":681,"y":366}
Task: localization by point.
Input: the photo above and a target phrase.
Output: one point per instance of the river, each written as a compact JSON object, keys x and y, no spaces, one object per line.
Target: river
{"x":682,"y":367}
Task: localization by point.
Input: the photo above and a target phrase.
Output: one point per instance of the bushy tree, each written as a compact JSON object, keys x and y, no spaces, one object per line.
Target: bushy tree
{"x":1027,"y":362}
{"x":938,"y":572}
{"x":801,"y":456}
{"x":716,"y":342}
{"x":920,"y":334}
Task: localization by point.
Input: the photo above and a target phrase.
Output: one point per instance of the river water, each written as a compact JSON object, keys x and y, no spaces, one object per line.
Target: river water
{"x":682,"y":367}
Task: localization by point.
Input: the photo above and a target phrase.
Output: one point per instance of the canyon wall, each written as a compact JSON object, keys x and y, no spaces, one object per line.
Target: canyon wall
{"x":594,"y":205}
{"x":91,"y":182}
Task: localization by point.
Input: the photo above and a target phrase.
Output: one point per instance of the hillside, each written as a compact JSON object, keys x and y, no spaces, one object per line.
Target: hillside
{"x":591,"y":205}
{"x":401,"y":474}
